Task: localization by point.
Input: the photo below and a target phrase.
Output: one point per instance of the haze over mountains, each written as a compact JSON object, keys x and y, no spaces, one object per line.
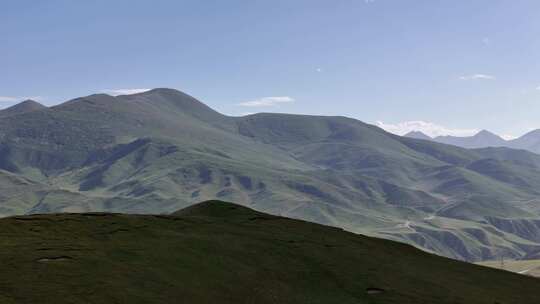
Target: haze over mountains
{"x":159,"y":151}
{"x":484,"y":139}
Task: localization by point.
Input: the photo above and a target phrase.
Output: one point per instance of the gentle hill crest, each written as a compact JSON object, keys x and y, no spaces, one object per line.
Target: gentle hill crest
{"x":217,"y":252}
{"x":219,"y":209}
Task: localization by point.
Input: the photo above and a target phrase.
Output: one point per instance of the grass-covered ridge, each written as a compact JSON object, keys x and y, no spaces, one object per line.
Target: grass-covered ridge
{"x":218,"y":252}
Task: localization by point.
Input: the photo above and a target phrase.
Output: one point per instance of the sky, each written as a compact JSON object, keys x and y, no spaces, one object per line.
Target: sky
{"x":443,"y":67}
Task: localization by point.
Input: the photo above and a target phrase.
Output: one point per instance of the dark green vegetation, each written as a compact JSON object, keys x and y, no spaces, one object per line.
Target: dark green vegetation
{"x":217,"y":252}
{"x":162,"y":150}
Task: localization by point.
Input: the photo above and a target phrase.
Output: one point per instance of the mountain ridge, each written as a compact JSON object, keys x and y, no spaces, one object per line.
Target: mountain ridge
{"x":481,"y":139}
{"x":485,"y":139}
{"x":162,"y":150}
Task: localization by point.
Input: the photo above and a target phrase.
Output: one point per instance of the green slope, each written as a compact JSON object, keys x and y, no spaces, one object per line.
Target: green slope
{"x":162,"y":150}
{"x":218,"y":252}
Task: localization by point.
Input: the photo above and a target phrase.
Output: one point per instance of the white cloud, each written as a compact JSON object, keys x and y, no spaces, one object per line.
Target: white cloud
{"x":508,"y":137}
{"x":486,"y":41}
{"x":267,"y":101}
{"x":538,"y":88}
{"x":8,"y":99}
{"x":117,"y":92}
{"x":428,"y":128}
{"x":318,"y":70}
{"x":477,"y":77}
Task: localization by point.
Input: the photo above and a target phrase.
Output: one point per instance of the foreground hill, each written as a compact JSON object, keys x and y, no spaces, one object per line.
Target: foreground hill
{"x":217,"y":252}
{"x":162,"y":150}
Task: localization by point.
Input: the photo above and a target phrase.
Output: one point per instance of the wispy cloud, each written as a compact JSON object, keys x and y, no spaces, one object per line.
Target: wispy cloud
{"x":19,"y":98}
{"x":117,"y":92}
{"x":477,"y":77}
{"x":428,"y":128}
{"x":267,"y":101}
{"x":486,"y":41}
{"x":8,"y":99}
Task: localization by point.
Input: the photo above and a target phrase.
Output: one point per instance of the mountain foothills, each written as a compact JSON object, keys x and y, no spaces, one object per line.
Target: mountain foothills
{"x":485,"y":139}
{"x":162,"y":150}
{"x":217,"y":252}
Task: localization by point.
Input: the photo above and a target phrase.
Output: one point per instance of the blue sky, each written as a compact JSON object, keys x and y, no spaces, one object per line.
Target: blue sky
{"x":446,"y":67}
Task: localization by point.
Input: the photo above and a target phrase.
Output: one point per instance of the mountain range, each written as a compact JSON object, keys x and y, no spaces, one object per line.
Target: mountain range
{"x":217,"y":252}
{"x":485,"y":139}
{"x":162,"y":150}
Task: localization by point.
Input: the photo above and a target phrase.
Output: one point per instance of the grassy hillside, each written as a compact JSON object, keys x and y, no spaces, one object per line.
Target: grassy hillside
{"x":218,"y":252}
{"x":161,"y":150}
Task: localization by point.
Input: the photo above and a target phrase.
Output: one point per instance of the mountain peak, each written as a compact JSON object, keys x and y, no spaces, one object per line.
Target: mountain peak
{"x":162,"y":91}
{"x":22,"y":107}
{"x":172,"y":100}
{"x":533,"y":133}
{"x":30,"y":102}
{"x":166,"y":92}
{"x":418,"y":135}
{"x":489,"y":138}
{"x":481,"y":139}
{"x":530,"y":141}
{"x":485,"y":133}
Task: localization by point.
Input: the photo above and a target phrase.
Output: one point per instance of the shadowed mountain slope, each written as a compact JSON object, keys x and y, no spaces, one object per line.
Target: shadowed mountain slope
{"x":162,"y":150}
{"x":217,"y":252}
